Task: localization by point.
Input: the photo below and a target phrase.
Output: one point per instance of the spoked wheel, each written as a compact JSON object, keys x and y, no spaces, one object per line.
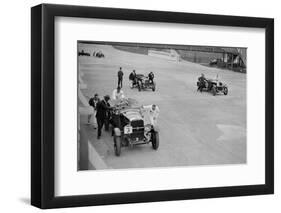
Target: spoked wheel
{"x":154,"y":87}
{"x":155,"y":140}
{"x":225,"y":91}
{"x":214,"y":91}
{"x":117,"y":145}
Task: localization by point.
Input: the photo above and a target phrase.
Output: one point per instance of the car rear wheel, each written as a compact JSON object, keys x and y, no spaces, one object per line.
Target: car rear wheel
{"x":214,"y":91}
{"x":155,"y":140}
{"x":153,"y":87}
{"x":225,"y":91}
{"x":139,"y":86}
{"x":117,"y":145}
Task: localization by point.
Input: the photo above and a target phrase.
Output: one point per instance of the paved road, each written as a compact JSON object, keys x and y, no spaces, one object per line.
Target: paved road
{"x":195,"y":128}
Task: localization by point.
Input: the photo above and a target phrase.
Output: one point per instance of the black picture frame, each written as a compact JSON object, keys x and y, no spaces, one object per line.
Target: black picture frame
{"x":43,"y":105}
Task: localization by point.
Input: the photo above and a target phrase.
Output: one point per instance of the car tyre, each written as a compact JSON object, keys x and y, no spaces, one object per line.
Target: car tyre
{"x":139,"y":86}
{"x":153,"y":87}
{"x":225,"y":91}
{"x":117,"y":145}
{"x":155,"y":140}
{"x":214,"y":91}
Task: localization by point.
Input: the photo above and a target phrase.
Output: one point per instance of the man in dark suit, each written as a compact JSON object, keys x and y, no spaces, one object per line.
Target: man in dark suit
{"x":133,"y":78}
{"x":120,"y":77}
{"x":102,"y":113}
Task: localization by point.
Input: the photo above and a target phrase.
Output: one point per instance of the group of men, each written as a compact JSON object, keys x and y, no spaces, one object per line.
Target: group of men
{"x":101,"y":108}
{"x":100,"y":111}
{"x":132,"y":77}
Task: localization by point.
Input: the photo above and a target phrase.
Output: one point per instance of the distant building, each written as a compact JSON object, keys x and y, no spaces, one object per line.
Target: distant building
{"x":224,"y":57}
{"x":168,"y":54}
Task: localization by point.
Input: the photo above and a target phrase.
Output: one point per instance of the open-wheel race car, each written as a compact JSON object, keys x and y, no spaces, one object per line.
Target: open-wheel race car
{"x":130,"y":128}
{"x":143,"y":82}
{"x":213,"y":86}
{"x":82,"y":53}
{"x":98,"y":54}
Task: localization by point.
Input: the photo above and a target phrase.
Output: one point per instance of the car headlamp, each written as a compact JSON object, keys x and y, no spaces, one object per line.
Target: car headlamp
{"x":147,"y":128}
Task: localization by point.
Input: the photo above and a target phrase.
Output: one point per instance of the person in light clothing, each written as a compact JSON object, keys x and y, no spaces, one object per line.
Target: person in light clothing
{"x":93,"y":103}
{"x":118,"y":94}
{"x":153,"y":113}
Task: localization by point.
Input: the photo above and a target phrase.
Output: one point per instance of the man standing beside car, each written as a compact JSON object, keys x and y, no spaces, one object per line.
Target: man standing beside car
{"x":132,"y":78}
{"x":102,"y":111}
{"x":93,"y":102}
{"x":152,"y":112}
{"x":118,"y":94}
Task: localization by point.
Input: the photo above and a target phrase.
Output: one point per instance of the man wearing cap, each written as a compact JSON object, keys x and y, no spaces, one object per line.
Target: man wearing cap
{"x":120,"y":77}
{"x":102,"y":111}
{"x":152,"y":112}
{"x":133,"y":78}
{"x":202,"y":82}
{"x":151,"y":77}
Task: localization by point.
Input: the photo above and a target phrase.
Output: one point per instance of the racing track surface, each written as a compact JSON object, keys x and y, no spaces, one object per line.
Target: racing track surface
{"x":195,"y":128}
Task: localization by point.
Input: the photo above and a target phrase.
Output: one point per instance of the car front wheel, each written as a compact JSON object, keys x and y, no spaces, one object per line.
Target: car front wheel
{"x":155,"y":140}
{"x":117,"y":145}
{"x":225,"y":91}
{"x":214,"y":91}
{"x":153,"y":87}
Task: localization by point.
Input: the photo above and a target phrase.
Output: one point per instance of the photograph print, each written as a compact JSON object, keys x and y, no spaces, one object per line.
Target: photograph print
{"x":160,"y":105}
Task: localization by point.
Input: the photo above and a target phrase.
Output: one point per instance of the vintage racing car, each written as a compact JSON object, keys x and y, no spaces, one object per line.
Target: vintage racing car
{"x":82,"y":53}
{"x":212,"y":85}
{"x":142,"y":82}
{"x":130,"y":128}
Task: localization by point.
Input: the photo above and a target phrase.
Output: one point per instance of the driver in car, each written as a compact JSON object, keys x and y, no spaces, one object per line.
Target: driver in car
{"x":202,"y":82}
{"x":151,"y":77}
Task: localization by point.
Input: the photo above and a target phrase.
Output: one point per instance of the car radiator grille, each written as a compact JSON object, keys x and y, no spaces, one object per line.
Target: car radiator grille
{"x":138,"y":129}
{"x":137,"y":123}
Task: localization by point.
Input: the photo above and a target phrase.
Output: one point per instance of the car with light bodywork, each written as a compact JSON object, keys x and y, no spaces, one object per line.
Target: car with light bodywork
{"x":131,"y":128}
{"x":212,"y":85}
{"x":143,"y":82}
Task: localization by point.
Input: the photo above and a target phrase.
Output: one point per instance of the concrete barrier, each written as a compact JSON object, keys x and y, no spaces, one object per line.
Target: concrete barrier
{"x":171,"y":55}
{"x":94,"y":158}
{"x":88,"y":157}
